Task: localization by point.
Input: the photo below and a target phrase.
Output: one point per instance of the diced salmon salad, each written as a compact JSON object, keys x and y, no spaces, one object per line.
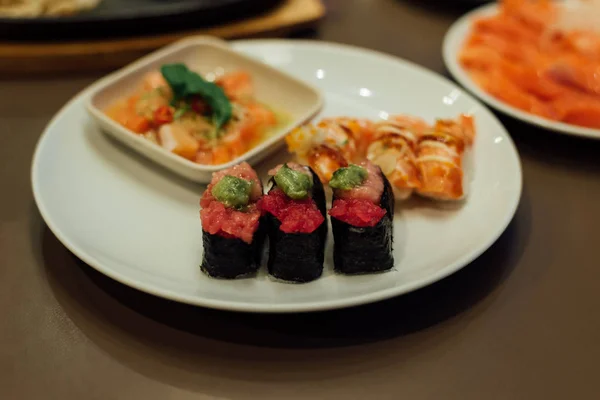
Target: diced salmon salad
{"x":206,"y":121}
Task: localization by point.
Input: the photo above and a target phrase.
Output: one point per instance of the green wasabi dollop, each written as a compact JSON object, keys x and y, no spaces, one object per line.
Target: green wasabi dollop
{"x":294,"y":184}
{"x":232,"y":191}
{"x":349,"y":177}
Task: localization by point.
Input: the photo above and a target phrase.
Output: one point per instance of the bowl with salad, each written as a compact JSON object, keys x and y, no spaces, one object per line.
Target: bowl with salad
{"x":198,"y":106}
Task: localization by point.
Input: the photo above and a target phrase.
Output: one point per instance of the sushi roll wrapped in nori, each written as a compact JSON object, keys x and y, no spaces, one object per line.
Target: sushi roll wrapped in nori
{"x":295,"y":211}
{"x":232,"y":232}
{"x":362,"y":215}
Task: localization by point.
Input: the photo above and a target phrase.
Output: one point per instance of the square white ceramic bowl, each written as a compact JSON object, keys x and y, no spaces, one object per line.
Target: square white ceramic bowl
{"x":205,"y":55}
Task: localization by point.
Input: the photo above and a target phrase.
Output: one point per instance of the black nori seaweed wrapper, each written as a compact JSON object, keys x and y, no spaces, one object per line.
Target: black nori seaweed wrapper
{"x":230,"y":258}
{"x":298,"y":257}
{"x":362,"y":250}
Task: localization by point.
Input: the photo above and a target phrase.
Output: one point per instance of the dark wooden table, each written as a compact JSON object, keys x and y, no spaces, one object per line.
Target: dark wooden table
{"x":521,"y":322}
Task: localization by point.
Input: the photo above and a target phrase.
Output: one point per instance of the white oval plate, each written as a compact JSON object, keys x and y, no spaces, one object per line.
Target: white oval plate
{"x":139,"y":224}
{"x":453,"y":42}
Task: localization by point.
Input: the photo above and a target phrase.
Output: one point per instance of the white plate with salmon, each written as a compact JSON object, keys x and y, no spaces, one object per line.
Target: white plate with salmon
{"x":536,"y":61}
{"x":400,"y":181}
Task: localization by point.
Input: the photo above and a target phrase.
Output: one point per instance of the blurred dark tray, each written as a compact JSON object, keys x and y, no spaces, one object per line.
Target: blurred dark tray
{"x":48,"y":56}
{"x":120,"y":18}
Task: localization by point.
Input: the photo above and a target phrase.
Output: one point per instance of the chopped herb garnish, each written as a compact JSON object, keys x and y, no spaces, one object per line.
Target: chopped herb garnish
{"x":158,"y":91}
{"x":181,"y":111}
{"x":232,"y":191}
{"x":294,"y":184}
{"x":349,"y":177}
{"x":186,"y":83}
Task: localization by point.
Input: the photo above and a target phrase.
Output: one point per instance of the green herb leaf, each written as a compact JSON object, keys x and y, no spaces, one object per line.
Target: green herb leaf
{"x":232,"y":191}
{"x":186,"y":83}
{"x":348,"y":177}
{"x":293,"y":183}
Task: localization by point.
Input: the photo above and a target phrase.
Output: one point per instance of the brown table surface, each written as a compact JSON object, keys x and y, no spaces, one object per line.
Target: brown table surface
{"x":521,"y":322}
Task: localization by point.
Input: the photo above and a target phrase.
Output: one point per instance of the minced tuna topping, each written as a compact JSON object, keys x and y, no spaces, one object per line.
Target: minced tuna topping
{"x":360,"y":205}
{"x":232,"y":222}
{"x":229,"y":222}
{"x":357,"y":212}
{"x":296,"y":216}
